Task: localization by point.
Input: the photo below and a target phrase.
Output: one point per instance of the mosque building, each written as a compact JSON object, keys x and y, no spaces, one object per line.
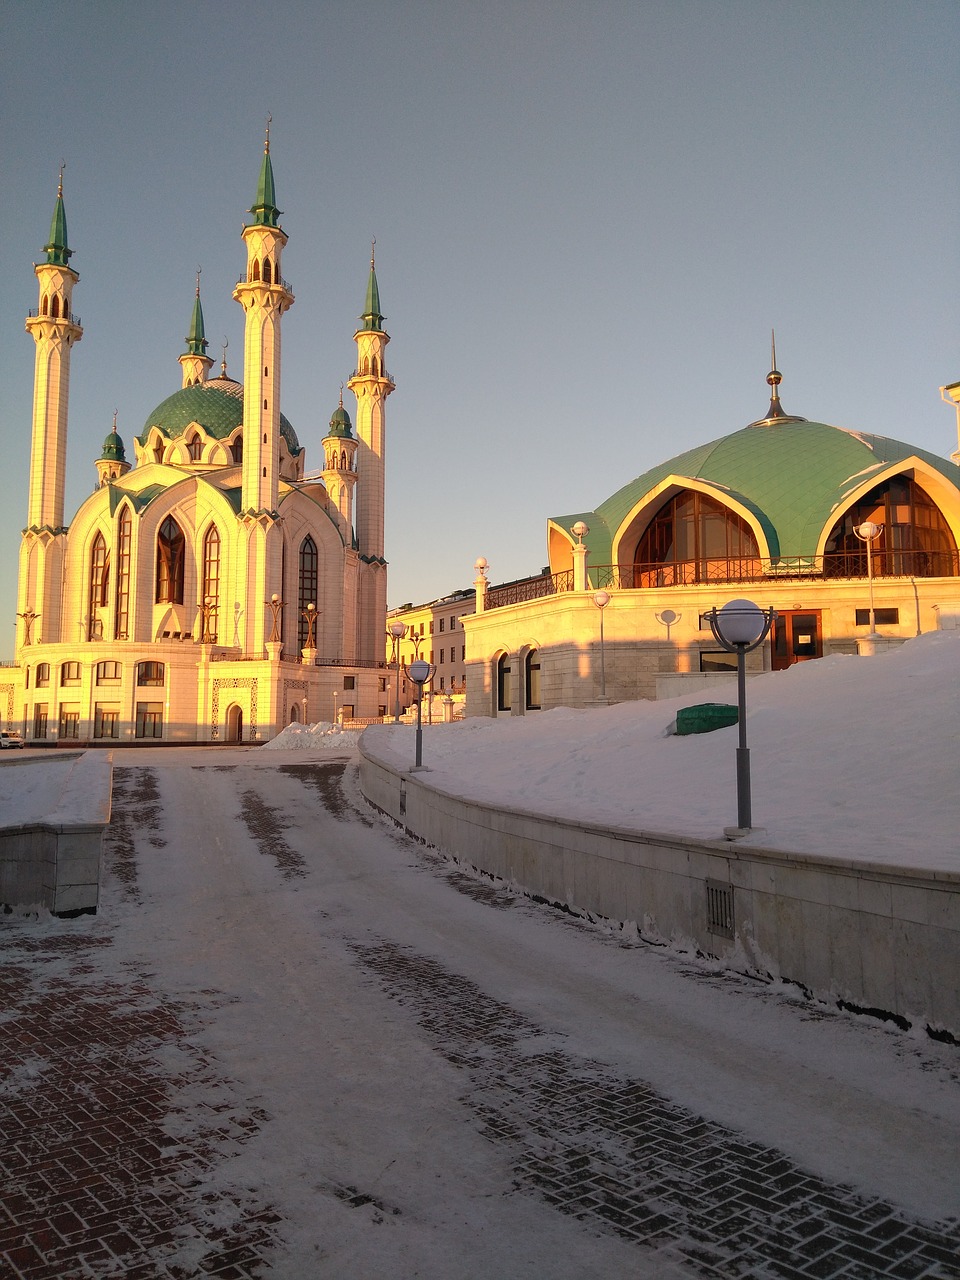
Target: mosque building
{"x":210,"y":589}
{"x":849,"y":538}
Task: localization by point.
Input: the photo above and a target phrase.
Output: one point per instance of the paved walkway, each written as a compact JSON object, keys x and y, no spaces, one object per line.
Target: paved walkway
{"x":122,"y":1127}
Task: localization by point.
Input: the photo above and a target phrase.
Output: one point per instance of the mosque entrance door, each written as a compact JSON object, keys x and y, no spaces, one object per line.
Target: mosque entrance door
{"x":235,"y":724}
{"x":796,"y":636}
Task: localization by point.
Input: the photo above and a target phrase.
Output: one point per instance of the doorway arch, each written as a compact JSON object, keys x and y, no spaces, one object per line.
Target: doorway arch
{"x":234,"y":723}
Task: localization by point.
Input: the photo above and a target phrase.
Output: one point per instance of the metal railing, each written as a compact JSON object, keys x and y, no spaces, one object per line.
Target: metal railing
{"x":547,"y":584}
{"x":278,"y":283}
{"x":68,"y":316}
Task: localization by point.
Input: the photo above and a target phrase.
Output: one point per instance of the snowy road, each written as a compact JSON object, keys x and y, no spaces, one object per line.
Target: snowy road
{"x":428,"y":1076}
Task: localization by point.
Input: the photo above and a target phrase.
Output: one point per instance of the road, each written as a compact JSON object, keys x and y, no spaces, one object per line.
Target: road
{"x":305,"y":1045}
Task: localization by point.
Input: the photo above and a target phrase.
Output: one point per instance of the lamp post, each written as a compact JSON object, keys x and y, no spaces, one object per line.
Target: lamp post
{"x":601,"y":599}
{"x":309,"y":615}
{"x":868,"y":532}
{"x":275,"y":604}
{"x":396,"y":631}
{"x":419,"y":672}
{"x":740,"y":627}
{"x":207,"y":609}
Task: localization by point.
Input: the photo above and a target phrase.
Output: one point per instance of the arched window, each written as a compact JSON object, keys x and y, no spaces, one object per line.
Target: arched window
{"x":45,"y":306}
{"x":915,"y":540}
{"x":531,"y":680}
{"x":256,"y":269}
{"x":121,"y":625}
{"x":196,"y":448}
{"x":504,"y":702}
{"x":309,"y":581}
{"x":211,"y":585}
{"x":98,"y":586}
{"x":170,"y":558}
{"x":695,"y":538}
{"x":55,"y":309}
{"x":267,"y":273}
{"x":237,"y":450}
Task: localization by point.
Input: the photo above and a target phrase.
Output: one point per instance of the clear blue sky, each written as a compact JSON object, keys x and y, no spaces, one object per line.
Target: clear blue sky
{"x":588,"y":217}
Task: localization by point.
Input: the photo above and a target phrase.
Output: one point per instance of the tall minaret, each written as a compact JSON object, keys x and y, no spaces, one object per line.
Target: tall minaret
{"x":54,"y":329}
{"x":195,"y":362}
{"x":371,"y":384}
{"x":264,"y":296}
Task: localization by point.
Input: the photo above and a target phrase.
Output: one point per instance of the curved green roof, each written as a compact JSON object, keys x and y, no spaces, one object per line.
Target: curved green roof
{"x":216,"y":405}
{"x":792,"y":475}
{"x":340,"y":424}
{"x":113,"y":448}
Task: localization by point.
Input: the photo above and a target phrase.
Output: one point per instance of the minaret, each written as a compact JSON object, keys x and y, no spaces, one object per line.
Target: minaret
{"x":339,"y":465}
{"x":264,"y":296}
{"x":54,"y":329}
{"x":371,"y":384}
{"x":195,"y":362}
{"x":112,"y":463}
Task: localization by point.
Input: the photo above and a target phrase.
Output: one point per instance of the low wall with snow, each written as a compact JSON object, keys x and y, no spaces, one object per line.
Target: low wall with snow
{"x":879,"y":938}
{"x":54,"y":811}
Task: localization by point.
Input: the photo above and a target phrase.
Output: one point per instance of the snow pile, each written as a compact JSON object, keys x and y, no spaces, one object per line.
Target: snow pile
{"x":313,"y":737}
{"x":851,"y":757}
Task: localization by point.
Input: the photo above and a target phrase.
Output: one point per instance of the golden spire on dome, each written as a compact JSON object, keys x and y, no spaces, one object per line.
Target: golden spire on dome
{"x":775,"y":413}
{"x":266,"y":141}
{"x":63,"y":165}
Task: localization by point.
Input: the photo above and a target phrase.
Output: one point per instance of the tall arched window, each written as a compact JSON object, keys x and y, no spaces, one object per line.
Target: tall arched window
{"x":267,"y":274}
{"x":307,"y":591}
{"x":695,"y":538}
{"x":121,"y":625}
{"x":531,"y":680}
{"x":98,"y":587}
{"x":211,"y":585}
{"x":237,"y":450}
{"x":196,"y":448}
{"x":170,"y":558}
{"x":915,"y":540}
{"x":504,"y":702}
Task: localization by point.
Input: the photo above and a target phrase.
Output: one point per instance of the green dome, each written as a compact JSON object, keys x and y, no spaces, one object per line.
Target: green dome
{"x":216,"y":405}
{"x":793,"y":475}
{"x":113,"y":449}
{"x":340,"y":424}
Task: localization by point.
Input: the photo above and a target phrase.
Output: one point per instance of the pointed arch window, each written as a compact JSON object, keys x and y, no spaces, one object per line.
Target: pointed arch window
{"x":171,"y":549}
{"x":97,"y":594}
{"x":267,"y":272}
{"x":121,"y":625}
{"x":915,"y":540}
{"x":45,"y":306}
{"x":196,"y":448}
{"x":237,"y":450}
{"x":308,"y":583}
{"x":256,"y":269}
{"x":55,"y":309}
{"x":695,"y":538}
{"x":158,"y":451}
{"x":211,"y":584}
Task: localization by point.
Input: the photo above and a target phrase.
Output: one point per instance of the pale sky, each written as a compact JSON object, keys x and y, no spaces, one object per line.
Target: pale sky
{"x":588,"y":218}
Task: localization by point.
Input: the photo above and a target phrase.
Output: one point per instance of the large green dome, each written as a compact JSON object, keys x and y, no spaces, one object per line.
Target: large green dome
{"x":792,"y":474}
{"x":216,"y":405}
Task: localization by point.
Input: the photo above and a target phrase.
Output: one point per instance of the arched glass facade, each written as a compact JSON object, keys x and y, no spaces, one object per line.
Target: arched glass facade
{"x":915,"y":540}
{"x":694,"y":538}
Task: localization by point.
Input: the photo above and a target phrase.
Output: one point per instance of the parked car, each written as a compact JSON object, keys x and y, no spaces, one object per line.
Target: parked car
{"x":10,"y":738}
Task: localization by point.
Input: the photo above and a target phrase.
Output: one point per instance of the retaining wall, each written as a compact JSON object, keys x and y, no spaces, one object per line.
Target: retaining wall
{"x":880,"y":938}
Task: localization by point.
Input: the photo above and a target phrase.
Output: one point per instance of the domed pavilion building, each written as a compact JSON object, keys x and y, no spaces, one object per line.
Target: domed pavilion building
{"x":776,"y":513}
{"x":210,"y":589}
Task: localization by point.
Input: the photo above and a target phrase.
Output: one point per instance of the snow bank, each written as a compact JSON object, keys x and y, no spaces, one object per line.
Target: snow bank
{"x":313,"y":737}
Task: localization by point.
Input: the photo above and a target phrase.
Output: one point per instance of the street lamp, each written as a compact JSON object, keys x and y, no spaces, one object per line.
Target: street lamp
{"x":396,"y":631}
{"x":740,"y":627}
{"x":601,"y":599}
{"x":309,"y":615}
{"x":275,"y":604}
{"x":868,"y":532}
{"x":419,"y":672}
{"x":207,"y":610}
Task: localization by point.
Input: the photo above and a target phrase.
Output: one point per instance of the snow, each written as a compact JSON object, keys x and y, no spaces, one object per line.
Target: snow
{"x":322,"y":736}
{"x":851,"y":757}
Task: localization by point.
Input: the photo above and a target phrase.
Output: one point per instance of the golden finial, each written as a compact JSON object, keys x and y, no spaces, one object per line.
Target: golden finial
{"x":223,"y":362}
{"x":115,"y":420}
{"x":774,"y":377}
{"x":63,"y":165}
{"x":199,"y":269}
{"x":266,"y":144}
{"x":373,"y":253}
{"x":341,"y":395}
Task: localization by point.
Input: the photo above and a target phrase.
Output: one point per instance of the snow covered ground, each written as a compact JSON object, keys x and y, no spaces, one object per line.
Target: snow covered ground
{"x":852,"y":757}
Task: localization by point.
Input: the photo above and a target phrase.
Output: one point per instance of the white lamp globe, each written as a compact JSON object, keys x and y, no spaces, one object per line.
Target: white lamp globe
{"x":419,"y":671}
{"x":398,"y":629}
{"x":868,"y":530}
{"x":601,"y":599}
{"x":741,"y":621}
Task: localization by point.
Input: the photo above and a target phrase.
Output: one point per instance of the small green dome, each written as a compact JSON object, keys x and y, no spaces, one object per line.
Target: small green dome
{"x":216,"y":405}
{"x":340,"y":424}
{"x":113,"y":449}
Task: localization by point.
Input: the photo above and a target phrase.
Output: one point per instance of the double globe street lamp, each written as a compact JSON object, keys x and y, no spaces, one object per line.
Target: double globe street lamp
{"x":396,"y":631}
{"x":740,"y":627}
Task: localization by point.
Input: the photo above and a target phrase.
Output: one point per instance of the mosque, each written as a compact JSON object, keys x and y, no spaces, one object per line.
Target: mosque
{"x":211,"y":589}
{"x":848,"y":539}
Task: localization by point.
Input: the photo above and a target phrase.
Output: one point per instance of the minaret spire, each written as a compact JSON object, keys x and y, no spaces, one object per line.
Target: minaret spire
{"x":264,"y":208}
{"x":775,"y":413}
{"x":57,"y":251}
{"x":372,"y":318}
{"x":195,"y":362}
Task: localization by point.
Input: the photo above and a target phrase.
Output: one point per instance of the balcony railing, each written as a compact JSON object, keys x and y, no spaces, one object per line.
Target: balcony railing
{"x":68,"y":316}
{"x":839,"y":565}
